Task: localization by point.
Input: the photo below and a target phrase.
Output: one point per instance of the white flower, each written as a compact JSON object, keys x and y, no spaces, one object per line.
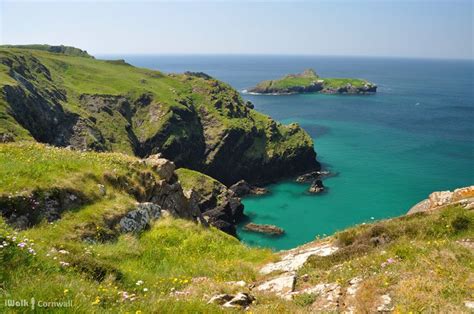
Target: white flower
{"x":145,"y":289}
{"x":63,"y":264}
{"x":139,"y":282}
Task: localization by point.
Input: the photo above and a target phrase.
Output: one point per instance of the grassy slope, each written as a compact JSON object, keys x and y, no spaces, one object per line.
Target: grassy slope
{"x":431,"y":271}
{"x":166,"y":257}
{"x":174,"y":253}
{"x":78,"y":75}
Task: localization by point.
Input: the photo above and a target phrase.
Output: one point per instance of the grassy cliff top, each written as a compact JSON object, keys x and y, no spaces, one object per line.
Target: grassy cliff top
{"x":61,"y":49}
{"x":66,"y":99}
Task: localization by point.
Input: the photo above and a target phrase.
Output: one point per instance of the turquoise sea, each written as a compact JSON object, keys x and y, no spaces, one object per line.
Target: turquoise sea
{"x":388,"y":150}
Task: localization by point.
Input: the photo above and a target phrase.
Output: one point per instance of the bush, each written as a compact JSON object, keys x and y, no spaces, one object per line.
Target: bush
{"x":460,"y":223}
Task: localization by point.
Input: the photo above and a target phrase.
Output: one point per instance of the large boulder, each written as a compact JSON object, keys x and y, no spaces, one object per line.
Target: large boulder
{"x":139,"y":219}
{"x":162,"y":166}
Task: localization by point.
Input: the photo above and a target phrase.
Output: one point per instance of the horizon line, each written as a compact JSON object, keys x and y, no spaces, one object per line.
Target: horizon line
{"x":277,"y":55}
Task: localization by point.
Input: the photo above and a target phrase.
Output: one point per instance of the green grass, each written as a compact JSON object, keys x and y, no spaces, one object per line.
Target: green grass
{"x":101,"y":263}
{"x":306,"y":79}
{"x":28,"y":166}
{"x":178,"y":255}
{"x":171,"y":121}
{"x":430,"y":270}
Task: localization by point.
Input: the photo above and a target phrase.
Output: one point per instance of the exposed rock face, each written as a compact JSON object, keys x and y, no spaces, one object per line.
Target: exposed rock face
{"x":436,"y":200}
{"x":267,"y":229}
{"x":218,"y":205}
{"x":139,"y":219}
{"x":316,"y":187}
{"x":294,"y":259}
{"x":164,"y":167}
{"x":243,"y":188}
{"x":281,"y":285}
{"x":217,"y":133}
{"x":26,"y":210}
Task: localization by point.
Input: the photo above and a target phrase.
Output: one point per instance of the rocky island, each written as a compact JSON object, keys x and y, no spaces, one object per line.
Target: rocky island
{"x":309,"y":82}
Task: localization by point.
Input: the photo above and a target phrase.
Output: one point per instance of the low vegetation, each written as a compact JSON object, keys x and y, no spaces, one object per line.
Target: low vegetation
{"x":421,"y":261}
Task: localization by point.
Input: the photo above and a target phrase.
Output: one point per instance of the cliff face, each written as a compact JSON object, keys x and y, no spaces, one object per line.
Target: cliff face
{"x":192,"y":119}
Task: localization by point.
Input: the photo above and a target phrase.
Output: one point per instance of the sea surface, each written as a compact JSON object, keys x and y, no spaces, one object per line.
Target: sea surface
{"x":388,"y":150}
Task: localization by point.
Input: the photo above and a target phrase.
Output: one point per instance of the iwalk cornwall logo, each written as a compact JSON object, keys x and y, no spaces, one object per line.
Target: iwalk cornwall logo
{"x":33,"y":303}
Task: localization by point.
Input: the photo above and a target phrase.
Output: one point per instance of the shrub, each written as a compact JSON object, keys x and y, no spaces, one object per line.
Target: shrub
{"x":460,"y":223}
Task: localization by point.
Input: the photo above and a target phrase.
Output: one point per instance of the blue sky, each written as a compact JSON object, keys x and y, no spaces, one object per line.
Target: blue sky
{"x":431,"y":29}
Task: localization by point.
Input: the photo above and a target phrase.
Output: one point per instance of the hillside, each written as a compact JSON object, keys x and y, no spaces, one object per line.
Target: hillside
{"x":309,"y":82}
{"x":82,"y":236}
{"x":198,"y":122}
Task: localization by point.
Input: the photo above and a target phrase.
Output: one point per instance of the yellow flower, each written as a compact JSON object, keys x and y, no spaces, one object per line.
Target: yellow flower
{"x":138,"y":312}
{"x":66,"y":291}
{"x":97,"y":301}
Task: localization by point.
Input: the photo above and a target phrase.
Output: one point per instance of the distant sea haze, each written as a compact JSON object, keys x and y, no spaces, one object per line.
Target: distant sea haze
{"x":389,"y":150}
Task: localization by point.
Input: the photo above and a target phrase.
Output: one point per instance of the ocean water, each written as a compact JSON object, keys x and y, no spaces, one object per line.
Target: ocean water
{"x":388,"y":150}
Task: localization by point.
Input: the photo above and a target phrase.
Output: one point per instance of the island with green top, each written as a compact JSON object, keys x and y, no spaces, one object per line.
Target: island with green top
{"x":309,"y":82}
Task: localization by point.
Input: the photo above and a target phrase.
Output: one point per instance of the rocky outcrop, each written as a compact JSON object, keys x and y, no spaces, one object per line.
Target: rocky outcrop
{"x":218,"y":205}
{"x":25,"y":210}
{"x":316,"y":187}
{"x":240,"y":300}
{"x":139,"y":219}
{"x":243,"y":188}
{"x":191,"y":119}
{"x":293,"y":260}
{"x":266,"y":229}
{"x":311,"y":176}
{"x":437,"y":200}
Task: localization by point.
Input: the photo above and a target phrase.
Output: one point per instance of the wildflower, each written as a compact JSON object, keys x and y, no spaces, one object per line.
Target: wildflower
{"x":139,"y":282}
{"x":145,"y":289}
{"x":22,"y":244}
{"x":66,"y":291}
{"x":138,"y":312}
{"x":97,"y":301}
{"x":63,"y":252}
{"x":63,"y":264}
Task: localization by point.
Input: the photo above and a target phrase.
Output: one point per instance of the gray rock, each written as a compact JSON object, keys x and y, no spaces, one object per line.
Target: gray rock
{"x":220,"y":299}
{"x":311,"y":176}
{"x":102,"y":189}
{"x":240,"y":300}
{"x":282,"y":285}
{"x":139,"y":219}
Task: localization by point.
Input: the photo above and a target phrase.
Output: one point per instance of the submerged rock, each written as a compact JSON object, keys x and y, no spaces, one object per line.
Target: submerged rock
{"x":316,"y":187}
{"x":268,"y":229}
{"x":311,"y":176}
